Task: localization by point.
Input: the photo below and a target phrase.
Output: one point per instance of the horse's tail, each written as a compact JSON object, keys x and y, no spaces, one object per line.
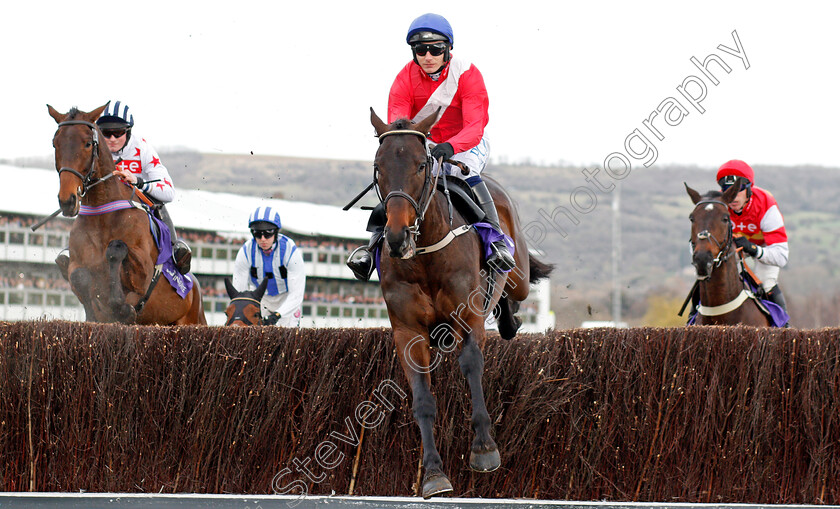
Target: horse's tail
{"x":539,"y":269}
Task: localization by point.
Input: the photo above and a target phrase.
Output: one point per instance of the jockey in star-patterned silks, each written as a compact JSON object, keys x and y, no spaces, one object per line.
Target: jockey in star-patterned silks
{"x":755,"y":214}
{"x":138,"y":164}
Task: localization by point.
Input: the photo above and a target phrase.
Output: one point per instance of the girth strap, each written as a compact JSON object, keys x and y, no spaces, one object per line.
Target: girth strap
{"x":724,"y":308}
{"x":450,"y":236}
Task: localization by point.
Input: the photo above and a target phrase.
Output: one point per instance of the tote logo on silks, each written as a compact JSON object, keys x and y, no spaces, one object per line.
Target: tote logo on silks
{"x":132,"y":166}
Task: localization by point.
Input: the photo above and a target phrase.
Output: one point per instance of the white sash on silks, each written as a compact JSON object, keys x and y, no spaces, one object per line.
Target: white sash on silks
{"x":443,"y":95}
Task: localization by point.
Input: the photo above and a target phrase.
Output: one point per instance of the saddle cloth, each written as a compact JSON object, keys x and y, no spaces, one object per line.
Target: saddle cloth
{"x":160,"y":232}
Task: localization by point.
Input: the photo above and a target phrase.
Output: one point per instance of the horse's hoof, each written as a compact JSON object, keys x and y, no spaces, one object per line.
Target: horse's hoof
{"x":435,"y":485}
{"x":487,"y":461}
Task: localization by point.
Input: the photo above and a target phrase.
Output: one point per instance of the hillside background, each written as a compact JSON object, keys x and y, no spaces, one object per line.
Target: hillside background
{"x":655,"y":264}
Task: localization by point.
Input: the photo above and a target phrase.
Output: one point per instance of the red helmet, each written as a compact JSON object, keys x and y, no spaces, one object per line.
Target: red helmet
{"x":736,"y":168}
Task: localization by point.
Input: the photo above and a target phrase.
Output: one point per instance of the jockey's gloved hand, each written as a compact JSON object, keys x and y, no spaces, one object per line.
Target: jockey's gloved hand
{"x":271,"y":319}
{"x":748,"y":247}
{"x":139,"y":183}
{"x":443,"y":150}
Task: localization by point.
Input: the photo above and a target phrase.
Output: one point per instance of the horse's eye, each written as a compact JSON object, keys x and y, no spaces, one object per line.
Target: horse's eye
{"x":422,"y":167}
{"x":691,"y":218}
{"x":88,"y":144}
{"x":725,"y":219}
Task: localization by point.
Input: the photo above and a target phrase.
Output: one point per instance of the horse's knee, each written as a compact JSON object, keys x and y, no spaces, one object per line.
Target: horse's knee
{"x":80,"y":281}
{"x":471,"y":359}
{"x":116,"y":252}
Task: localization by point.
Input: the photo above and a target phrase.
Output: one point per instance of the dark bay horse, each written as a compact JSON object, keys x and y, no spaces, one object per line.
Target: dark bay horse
{"x":112,"y":254}
{"x":440,"y":296}
{"x":723,"y":300}
{"x":244,"y":307}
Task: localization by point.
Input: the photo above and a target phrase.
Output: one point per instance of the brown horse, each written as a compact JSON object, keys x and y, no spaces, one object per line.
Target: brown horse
{"x":244,"y":307}
{"x":723,"y":300}
{"x":440,"y":296}
{"x":113,"y":254}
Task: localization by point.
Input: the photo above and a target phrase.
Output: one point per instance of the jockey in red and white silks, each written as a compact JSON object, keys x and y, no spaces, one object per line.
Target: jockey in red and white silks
{"x":755,"y":214}
{"x":435,"y":80}
{"x":460,"y":92}
{"x":762,"y":223}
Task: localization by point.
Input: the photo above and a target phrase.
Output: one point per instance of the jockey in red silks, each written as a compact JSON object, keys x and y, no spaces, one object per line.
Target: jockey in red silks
{"x":755,"y":214}
{"x":435,"y":79}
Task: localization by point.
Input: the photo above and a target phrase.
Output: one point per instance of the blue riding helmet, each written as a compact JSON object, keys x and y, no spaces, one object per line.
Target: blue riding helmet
{"x":264,"y":218}
{"x":429,"y":28}
{"x":116,"y":116}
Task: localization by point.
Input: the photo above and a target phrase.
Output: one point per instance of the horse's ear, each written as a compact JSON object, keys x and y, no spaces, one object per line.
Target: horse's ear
{"x":730,"y":194}
{"x":425,"y":125}
{"x":231,"y":291}
{"x":93,"y":115}
{"x":260,"y":291}
{"x":695,"y":196}
{"x":379,"y":126}
{"x":58,"y":117}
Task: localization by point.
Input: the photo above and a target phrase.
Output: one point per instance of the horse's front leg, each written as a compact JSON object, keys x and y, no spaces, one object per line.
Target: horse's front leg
{"x":415,"y":357}
{"x":484,"y":454}
{"x":115,"y":254}
{"x":81,"y":281}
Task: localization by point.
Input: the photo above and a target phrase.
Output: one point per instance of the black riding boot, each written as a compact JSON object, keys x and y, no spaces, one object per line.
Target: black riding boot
{"x":63,"y":262}
{"x":776,"y":297}
{"x":501,"y":260}
{"x":181,"y":252}
{"x":360,"y":260}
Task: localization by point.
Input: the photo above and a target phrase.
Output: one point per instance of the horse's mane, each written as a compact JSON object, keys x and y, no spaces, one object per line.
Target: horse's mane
{"x":712,"y":195}
{"x":72,"y":113}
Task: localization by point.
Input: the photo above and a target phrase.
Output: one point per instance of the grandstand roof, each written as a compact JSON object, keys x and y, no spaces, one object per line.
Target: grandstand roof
{"x":33,"y":191}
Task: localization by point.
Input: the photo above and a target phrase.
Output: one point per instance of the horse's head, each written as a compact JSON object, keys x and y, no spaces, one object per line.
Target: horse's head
{"x":402,"y":171}
{"x":711,"y":229}
{"x":244,"y":307}
{"x":76,"y":145}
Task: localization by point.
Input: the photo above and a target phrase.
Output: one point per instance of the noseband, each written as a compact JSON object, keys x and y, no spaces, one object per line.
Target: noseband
{"x":723,"y":249}
{"x":88,"y":180}
{"x":420,"y":205}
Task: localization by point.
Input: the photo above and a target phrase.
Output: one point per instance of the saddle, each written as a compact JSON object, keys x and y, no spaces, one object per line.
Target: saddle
{"x":461,"y":197}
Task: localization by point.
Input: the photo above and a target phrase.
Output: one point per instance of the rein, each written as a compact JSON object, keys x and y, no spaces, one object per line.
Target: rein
{"x":429,"y":185}
{"x":724,"y":250}
{"x":88,"y":180}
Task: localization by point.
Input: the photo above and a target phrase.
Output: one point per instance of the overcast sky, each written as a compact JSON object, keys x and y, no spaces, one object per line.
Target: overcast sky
{"x":568,"y":81}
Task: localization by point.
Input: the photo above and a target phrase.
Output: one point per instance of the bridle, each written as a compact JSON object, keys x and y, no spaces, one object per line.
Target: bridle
{"x":420,"y":205}
{"x":241,"y":318}
{"x":88,"y":180}
{"x":724,"y":251}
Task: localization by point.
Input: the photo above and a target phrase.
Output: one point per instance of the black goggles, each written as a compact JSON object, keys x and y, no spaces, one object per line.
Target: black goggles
{"x":435,"y":49}
{"x":114,"y":133}
{"x":730,"y":180}
{"x":266,"y":234}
